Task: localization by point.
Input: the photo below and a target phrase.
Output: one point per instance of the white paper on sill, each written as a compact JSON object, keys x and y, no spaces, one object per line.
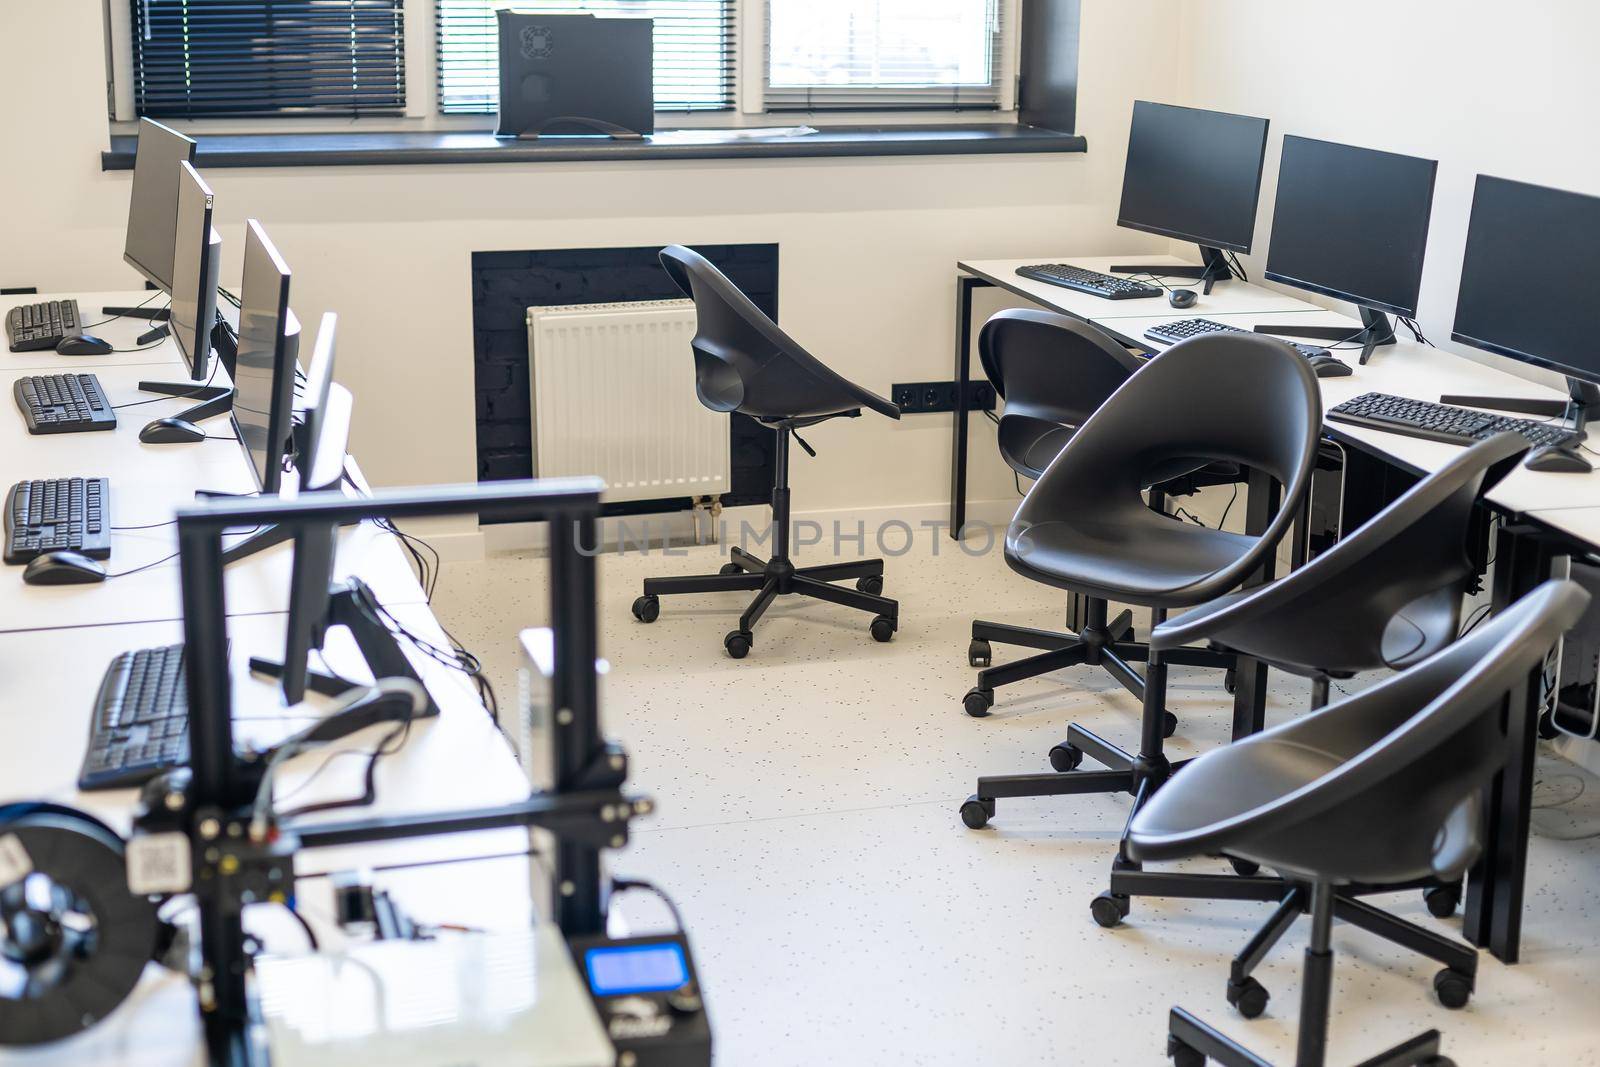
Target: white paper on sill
{"x":713,"y":136}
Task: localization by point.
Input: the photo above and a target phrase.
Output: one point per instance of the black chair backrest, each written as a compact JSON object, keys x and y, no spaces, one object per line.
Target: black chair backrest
{"x":1386,"y":595}
{"x":1408,"y":757}
{"x":744,"y":363}
{"x":1248,"y":399}
{"x":1053,"y":372}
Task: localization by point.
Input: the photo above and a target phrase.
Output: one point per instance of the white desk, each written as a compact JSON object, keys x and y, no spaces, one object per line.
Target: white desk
{"x":51,"y":676}
{"x":122,"y":334}
{"x":1227,"y":295}
{"x":1408,"y":368}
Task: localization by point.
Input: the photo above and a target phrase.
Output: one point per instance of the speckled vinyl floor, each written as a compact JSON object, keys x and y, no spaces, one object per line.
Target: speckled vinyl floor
{"x":842,"y":915}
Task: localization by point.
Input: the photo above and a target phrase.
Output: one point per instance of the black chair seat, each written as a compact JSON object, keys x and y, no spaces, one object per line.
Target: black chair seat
{"x":1147,"y":559}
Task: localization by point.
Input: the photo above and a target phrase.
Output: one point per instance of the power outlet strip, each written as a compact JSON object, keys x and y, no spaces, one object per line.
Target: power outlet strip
{"x":922,"y":398}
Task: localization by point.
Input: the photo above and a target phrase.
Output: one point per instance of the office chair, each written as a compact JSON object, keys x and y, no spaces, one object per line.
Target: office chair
{"x":1386,"y":596}
{"x":744,"y":363}
{"x":1053,"y":373}
{"x":1381,"y":788}
{"x":1085,"y":526}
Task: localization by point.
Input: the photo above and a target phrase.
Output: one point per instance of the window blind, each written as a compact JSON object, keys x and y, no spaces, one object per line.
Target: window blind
{"x":235,"y":58}
{"x":874,"y":55}
{"x":694,"y":49}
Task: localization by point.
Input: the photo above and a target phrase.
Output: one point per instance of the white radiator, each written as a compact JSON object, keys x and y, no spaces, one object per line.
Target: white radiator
{"x":613,"y":395}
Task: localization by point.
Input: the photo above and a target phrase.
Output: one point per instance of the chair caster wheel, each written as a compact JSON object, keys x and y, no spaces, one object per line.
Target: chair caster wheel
{"x":737,"y":643}
{"x":976,"y":813}
{"x":1442,"y":900}
{"x":1184,"y":1056}
{"x":1109,"y":910}
{"x":872,"y":583}
{"x":883,"y":628}
{"x":978,"y":702}
{"x":647,"y":608}
{"x":1452,"y":988}
{"x":1230,"y":680}
{"x":730,"y":568}
{"x":979,"y":654}
{"x":1248,"y":997}
{"x":1244,"y":868}
{"x":1440,"y":1061}
{"x":1169,"y":724}
{"x":1066,"y":757}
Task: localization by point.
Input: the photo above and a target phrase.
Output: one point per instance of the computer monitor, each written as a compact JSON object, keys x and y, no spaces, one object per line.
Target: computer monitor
{"x":1351,"y":223}
{"x":196,"y":262}
{"x":1193,"y":175}
{"x":263,"y":379}
{"x":1527,"y":288}
{"x":153,"y":208}
{"x":324,"y":427}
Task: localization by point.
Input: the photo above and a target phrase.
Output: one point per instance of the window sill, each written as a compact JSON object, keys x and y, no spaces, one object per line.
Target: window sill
{"x":401,"y":149}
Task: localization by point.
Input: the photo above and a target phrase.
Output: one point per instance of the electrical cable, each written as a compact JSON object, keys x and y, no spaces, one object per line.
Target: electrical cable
{"x":622,"y":885}
{"x":382,"y":689}
{"x":174,"y":396}
{"x":112,"y":318}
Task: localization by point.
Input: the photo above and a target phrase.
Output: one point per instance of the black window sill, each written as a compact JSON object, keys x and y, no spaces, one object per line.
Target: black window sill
{"x":394,"y":149}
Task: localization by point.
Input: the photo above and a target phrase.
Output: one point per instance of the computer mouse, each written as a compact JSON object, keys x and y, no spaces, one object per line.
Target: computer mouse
{"x":62,"y":568}
{"x":84,"y":344}
{"x":1559,"y":460}
{"x":1182,"y":298}
{"x":171,"y":430}
{"x":1329,"y":367}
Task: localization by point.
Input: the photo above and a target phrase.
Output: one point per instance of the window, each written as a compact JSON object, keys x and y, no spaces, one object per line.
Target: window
{"x":883,"y":54}
{"x":694,"y":49}
{"x":236,"y":58}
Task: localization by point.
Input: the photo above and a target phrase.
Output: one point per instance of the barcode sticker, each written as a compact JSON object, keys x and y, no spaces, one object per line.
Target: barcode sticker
{"x":14,"y":862}
{"x":158,"y":863}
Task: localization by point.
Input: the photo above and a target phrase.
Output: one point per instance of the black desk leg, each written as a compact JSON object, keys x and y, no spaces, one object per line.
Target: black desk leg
{"x":965,"y":284}
{"x":1250,"y":679}
{"x":1495,"y":888}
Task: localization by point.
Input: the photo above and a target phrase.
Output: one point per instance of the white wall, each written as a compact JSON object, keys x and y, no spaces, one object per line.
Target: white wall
{"x":867,"y":246}
{"x":1482,"y":86}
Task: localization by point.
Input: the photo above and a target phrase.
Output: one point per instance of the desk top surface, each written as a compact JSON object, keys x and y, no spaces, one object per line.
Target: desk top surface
{"x":148,"y":482}
{"x":458,"y":760}
{"x":122,"y":333}
{"x":1409,"y":368}
{"x":1227,"y":296}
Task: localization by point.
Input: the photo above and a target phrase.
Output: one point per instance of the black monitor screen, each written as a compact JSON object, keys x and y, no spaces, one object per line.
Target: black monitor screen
{"x":153,"y":208}
{"x":194,"y":272}
{"x":264,"y":377}
{"x":1194,"y":175}
{"x":1351,"y":223}
{"x":1528,"y":277}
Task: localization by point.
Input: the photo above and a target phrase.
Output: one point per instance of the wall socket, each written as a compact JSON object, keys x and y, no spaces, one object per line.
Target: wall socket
{"x":921,"y":398}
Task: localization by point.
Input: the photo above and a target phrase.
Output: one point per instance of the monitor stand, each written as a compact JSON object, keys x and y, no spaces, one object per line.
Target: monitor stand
{"x":349,"y":606}
{"x":213,"y":399}
{"x":1377,"y":331}
{"x":150,"y":314}
{"x":1214,"y":265}
{"x":1581,"y":405}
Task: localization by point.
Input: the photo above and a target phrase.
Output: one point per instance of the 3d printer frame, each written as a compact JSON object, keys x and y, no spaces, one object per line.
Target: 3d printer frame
{"x":585,"y":810}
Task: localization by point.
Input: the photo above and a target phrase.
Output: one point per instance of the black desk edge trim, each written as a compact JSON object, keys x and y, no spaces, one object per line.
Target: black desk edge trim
{"x":456,"y":147}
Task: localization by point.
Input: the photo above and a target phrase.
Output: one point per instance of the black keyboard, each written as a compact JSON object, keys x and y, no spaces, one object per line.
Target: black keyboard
{"x":30,"y":327}
{"x":141,"y":720}
{"x":63,"y":403}
{"x":1089,"y":281}
{"x":1442,"y":422}
{"x":49,"y":514}
{"x":1173,"y":332}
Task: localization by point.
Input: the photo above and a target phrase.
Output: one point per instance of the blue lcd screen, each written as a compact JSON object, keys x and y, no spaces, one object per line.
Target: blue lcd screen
{"x":636,"y":969}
